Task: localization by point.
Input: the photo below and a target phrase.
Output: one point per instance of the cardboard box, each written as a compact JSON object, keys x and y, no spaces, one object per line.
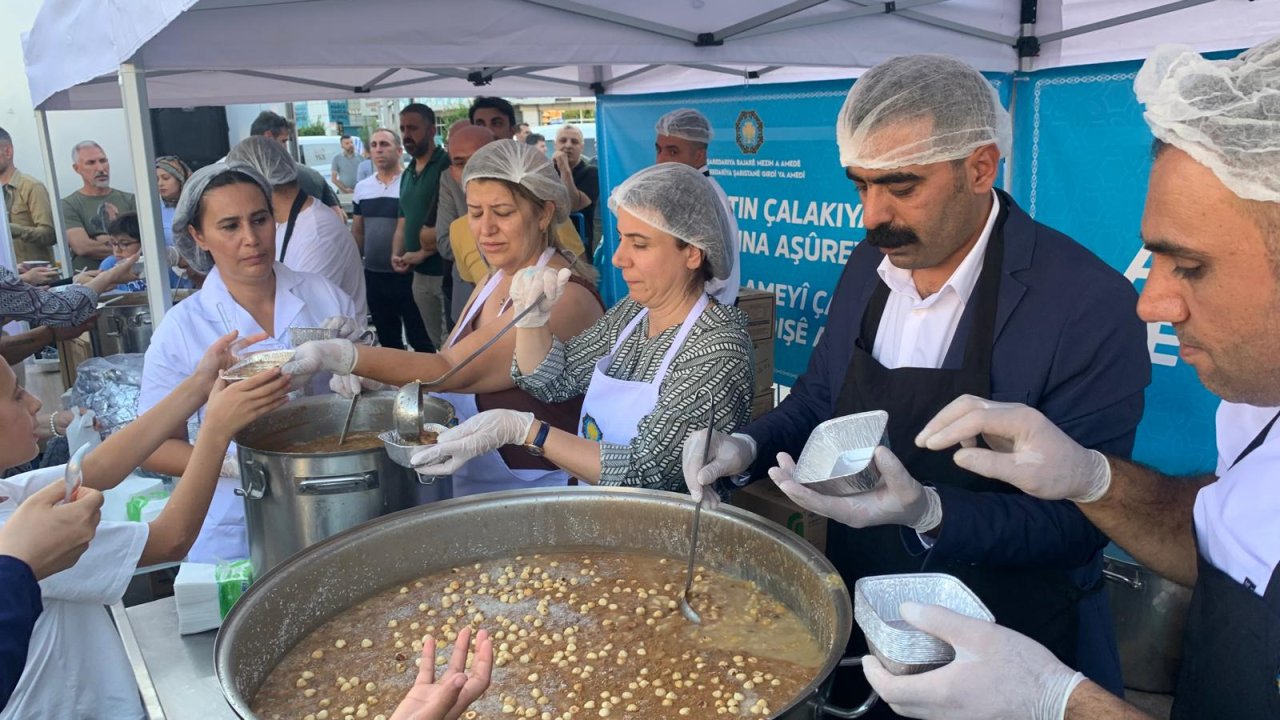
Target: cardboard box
{"x":761,"y":404}
{"x":759,"y":307}
{"x":762,"y":352}
{"x":766,"y":500}
{"x":70,"y":354}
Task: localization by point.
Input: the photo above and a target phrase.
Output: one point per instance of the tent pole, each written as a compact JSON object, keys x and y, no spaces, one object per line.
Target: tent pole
{"x":293,"y":136}
{"x":60,"y":250}
{"x":137,"y":119}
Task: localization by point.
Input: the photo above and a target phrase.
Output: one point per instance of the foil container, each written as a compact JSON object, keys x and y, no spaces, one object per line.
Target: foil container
{"x":824,"y":464}
{"x":902,"y":649}
{"x":300,"y":335}
{"x":254,"y":363}
{"x":399,"y":450}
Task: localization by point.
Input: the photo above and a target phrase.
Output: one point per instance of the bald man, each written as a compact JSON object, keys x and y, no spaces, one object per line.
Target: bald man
{"x":464,"y":140}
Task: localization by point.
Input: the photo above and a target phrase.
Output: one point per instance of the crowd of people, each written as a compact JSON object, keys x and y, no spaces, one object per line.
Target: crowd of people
{"x":969,"y":322}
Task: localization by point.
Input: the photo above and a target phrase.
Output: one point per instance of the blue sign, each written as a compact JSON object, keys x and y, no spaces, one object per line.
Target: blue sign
{"x":339,"y":113}
{"x":301,"y":114}
{"x":1081,"y":156}
{"x":774,"y":153}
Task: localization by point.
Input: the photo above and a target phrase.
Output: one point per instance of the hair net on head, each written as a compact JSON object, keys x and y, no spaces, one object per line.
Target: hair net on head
{"x":918,"y":110}
{"x":685,"y":123}
{"x":523,"y":165}
{"x":680,"y":201}
{"x":189,"y":202}
{"x":266,"y":156}
{"x":1223,"y":113}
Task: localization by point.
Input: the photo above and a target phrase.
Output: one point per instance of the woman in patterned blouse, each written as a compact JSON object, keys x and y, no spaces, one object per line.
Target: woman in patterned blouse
{"x":651,"y":368}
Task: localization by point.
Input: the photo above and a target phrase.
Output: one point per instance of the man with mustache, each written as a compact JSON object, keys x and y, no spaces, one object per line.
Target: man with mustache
{"x":958,"y":291}
{"x":88,"y":211}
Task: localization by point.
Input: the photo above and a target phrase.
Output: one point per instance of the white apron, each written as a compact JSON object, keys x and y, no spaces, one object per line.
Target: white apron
{"x":487,"y":472}
{"x":613,"y":408}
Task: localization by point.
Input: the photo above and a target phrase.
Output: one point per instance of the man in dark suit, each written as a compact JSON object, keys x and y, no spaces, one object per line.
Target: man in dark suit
{"x":957,"y":291}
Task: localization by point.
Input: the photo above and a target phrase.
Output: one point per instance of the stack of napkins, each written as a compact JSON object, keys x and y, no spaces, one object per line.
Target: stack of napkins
{"x":196,"y":590}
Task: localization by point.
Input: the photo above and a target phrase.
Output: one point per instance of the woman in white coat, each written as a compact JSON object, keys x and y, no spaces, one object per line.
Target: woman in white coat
{"x":651,"y":367}
{"x":223,"y":226}
{"x":514,"y":200}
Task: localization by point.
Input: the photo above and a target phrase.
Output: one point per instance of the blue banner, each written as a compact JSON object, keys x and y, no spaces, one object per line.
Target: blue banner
{"x":774,"y":153}
{"x":1080,"y":163}
{"x":1081,"y":156}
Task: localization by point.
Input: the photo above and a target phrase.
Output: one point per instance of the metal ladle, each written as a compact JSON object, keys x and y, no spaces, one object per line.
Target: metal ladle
{"x":685,"y":608}
{"x":407,"y":410}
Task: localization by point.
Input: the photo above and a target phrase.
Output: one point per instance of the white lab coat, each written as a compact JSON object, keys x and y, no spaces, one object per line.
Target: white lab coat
{"x":187,"y":331}
{"x":323,"y":245}
{"x":76,"y":665}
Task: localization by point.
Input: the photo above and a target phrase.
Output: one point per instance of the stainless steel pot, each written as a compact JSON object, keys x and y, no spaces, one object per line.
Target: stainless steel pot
{"x":294,"y":500}
{"x":1150,"y":613}
{"x":124,"y":323}
{"x":291,"y":601}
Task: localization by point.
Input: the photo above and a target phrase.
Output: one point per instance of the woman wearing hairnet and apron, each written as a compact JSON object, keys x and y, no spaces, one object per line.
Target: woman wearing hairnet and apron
{"x":651,"y":368}
{"x":514,"y":202}
{"x":223,"y":226}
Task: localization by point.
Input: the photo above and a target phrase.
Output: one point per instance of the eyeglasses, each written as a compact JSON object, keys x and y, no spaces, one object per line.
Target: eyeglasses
{"x":117,"y":245}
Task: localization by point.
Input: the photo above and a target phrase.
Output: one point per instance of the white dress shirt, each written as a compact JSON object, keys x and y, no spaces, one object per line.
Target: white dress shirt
{"x":323,"y":245}
{"x":1236,"y":517}
{"x":917,"y":332}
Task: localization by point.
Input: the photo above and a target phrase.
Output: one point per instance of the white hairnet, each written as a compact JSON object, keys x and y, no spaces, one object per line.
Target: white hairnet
{"x":523,"y":165}
{"x":918,"y":110}
{"x":189,"y":202}
{"x":266,"y":156}
{"x":679,"y":201}
{"x":685,"y":123}
{"x":1223,"y":113}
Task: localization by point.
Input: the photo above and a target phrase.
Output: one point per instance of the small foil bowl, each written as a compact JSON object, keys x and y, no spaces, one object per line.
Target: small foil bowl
{"x":837,"y":459}
{"x":300,"y":335}
{"x":255,"y":363}
{"x":901,"y":648}
{"x":401,"y":451}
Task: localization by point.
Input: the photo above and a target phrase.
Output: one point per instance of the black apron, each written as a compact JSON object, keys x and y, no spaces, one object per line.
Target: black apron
{"x":1231,"y":651}
{"x":1040,"y":603}
{"x":298,"y":201}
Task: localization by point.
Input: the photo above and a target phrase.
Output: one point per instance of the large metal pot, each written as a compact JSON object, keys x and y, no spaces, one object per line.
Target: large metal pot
{"x":124,"y":323}
{"x":1150,"y":613}
{"x":290,"y":602}
{"x":294,"y":500}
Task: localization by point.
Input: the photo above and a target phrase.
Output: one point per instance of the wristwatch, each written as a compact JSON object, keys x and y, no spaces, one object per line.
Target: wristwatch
{"x":539,"y":439}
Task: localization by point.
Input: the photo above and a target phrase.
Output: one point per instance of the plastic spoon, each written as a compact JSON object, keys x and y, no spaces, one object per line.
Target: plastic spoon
{"x":74,"y":473}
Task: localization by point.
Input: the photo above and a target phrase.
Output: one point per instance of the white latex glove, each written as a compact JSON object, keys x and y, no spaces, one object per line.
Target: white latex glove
{"x":542,"y":286}
{"x":348,"y":386}
{"x":349,"y":329}
{"x":486,"y":431}
{"x":730,"y":455}
{"x":896,"y":500}
{"x":997,"y":673}
{"x":337,"y":356}
{"x":230,"y":467}
{"x":1027,"y":451}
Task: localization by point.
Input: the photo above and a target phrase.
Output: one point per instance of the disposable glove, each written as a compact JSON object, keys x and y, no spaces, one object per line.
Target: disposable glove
{"x":1027,"y":450}
{"x":337,"y":356}
{"x":349,"y":329}
{"x":486,"y":431}
{"x":997,"y":673}
{"x":731,"y":455}
{"x":540,"y":286}
{"x":348,"y":386}
{"x":896,"y":500}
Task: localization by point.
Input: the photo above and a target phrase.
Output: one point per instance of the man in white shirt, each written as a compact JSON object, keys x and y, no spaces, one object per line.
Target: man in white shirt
{"x":956,"y":291}
{"x":309,"y":237}
{"x":683,"y":136}
{"x":1212,"y":224}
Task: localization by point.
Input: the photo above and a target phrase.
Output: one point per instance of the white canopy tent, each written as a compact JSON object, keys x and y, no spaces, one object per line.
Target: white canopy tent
{"x":174,"y":53}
